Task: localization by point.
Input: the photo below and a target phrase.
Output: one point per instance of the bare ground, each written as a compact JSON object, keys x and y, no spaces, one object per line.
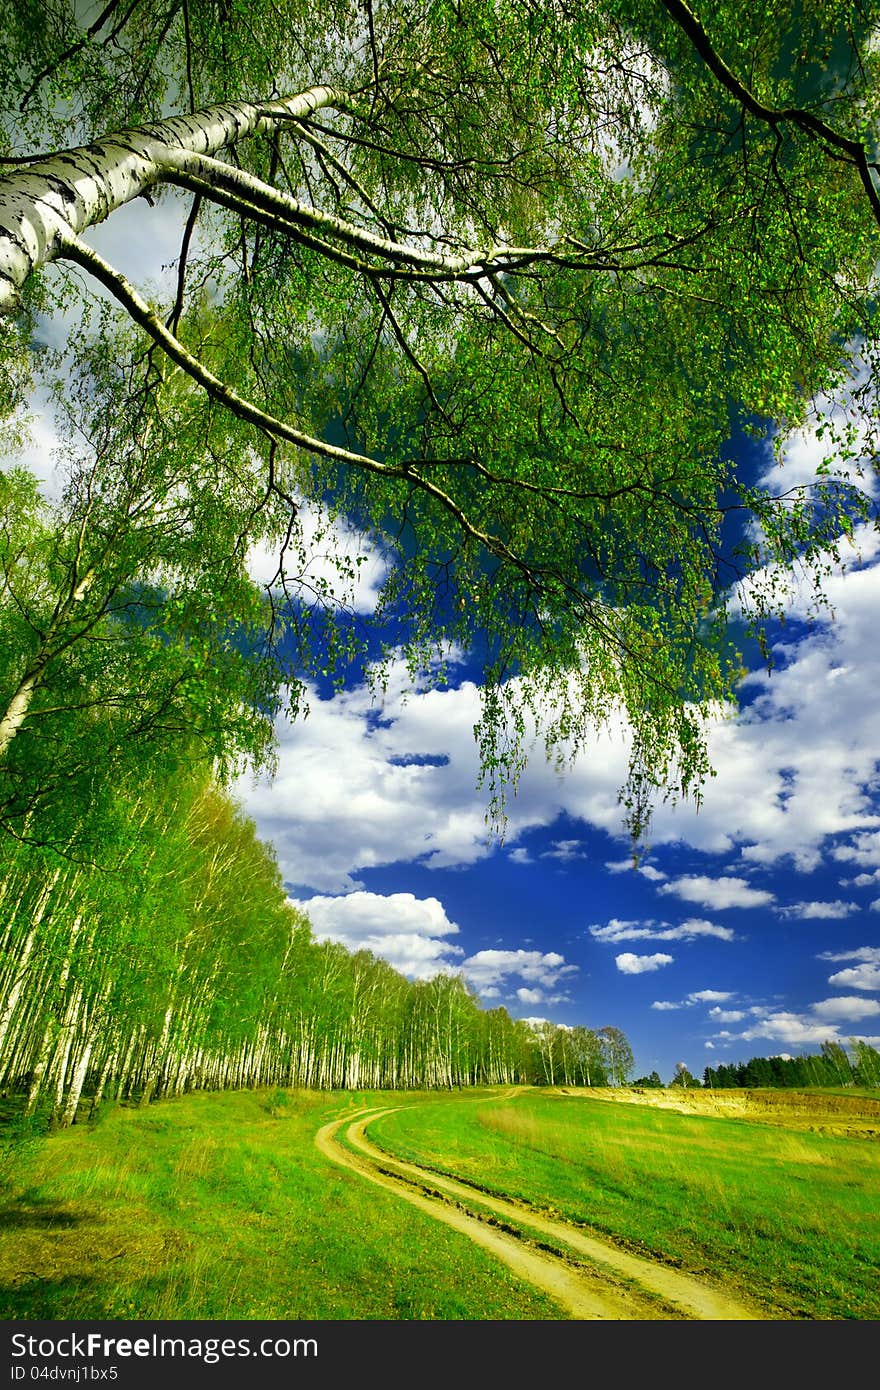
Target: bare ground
{"x":842,"y":1115}
{"x":590,"y":1278}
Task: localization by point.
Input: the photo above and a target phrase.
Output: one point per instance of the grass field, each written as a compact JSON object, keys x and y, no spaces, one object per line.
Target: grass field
{"x":779,"y":1196}
{"x":219,"y":1206}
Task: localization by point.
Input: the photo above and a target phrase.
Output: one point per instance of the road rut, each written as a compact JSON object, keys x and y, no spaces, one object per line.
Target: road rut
{"x":590,"y":1278}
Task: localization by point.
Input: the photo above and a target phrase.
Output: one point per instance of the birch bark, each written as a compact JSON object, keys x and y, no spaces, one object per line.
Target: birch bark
{"x":54,"y":198}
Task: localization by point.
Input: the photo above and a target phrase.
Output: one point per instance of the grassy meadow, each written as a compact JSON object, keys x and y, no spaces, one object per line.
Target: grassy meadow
{"x":787,"y":1211}
{"x":218,"y":1205}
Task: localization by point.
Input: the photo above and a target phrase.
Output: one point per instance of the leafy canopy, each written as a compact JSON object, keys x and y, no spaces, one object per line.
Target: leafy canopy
{"x":495,"y":294}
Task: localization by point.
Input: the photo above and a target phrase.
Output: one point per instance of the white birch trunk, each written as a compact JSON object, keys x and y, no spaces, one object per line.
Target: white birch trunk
{"x":43,"y":204}
{"x":20,"y":976}
{"x":74,"y":1090}
{"x":46,"y":1048}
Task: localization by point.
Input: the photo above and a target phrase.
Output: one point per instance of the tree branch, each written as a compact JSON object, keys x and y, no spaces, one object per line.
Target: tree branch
{"x":773,"y":116}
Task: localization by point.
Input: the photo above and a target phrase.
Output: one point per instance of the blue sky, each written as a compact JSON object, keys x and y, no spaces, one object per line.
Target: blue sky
{"x":751,"y":927}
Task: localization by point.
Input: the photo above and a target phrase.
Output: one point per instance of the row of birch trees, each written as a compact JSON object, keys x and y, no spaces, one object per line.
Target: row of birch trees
{"x":184,"y":966}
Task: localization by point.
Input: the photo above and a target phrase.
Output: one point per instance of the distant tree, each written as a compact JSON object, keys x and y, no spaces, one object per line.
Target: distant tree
{"x":617,"y":1053}
{"x":683,"y":1078}
{"x":866,"y":1071}
{"x":588,"y":1065}
{"x":838,"y":1063}
{"x":652,"y":1082}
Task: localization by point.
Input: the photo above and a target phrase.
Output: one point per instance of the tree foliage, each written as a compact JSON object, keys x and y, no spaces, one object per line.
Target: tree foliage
{"x":490,"y":282}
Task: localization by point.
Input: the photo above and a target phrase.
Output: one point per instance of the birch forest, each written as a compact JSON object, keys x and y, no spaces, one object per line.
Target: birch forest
{"x":185,"y":967}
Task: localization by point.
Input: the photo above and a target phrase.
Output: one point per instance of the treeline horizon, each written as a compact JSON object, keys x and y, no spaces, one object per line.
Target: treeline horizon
{"x":833,"y":1065}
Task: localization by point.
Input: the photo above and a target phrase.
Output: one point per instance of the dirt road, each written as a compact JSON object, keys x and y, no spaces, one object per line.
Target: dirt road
{"x":589,"y":1278}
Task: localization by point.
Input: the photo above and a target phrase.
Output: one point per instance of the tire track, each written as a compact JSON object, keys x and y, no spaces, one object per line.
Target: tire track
{"x":581,"y":1272}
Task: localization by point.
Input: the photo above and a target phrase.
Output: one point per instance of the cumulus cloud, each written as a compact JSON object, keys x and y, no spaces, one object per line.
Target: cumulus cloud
{"x":862,"y":880}
{"x":857,"y":977}
{"x":696,"y":996}
{"x":330,"y":557}
{"x":716,"y":892}
{"x":622,"y":866}
{"x":362,"y":784}
{"x":863,"y":849}
{"x":865,"y":975}
{"x":541,"y":970}
{"x":846,"y":1006}
{"x":728,"y":1015}
{"x":805,"y":911}
{"x":530,"y":995}
{"x":689,"y":930}
{"x":520,"y":856}
{"x":629,"y":964}
{"x":798,"y":1031}
{"x":565,"y":850}
{"x":407,"y":931}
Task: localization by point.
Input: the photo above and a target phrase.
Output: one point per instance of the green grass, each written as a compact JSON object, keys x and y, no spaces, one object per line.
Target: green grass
{"x":218,"y":1206}
{"x":789,"y":1215}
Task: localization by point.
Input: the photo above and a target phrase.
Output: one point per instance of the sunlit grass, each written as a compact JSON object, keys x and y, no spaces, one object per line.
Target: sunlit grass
{"x":219,"y":1206}
{"x":789,"y":1216}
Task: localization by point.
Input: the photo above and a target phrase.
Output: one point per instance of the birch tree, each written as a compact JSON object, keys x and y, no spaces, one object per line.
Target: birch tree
{"x":493,"y":280}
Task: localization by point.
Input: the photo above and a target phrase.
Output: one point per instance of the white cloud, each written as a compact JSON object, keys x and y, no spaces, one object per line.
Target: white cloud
{"x":530,"y":996}
{"x":619,"y":866}
{"x":857,"y":977}
{"x":716,"y":892}
{"x":352,"y":790}
{"x":622,"y":866}
{"x":846,"y":1006}
{"x":538,"y":968}
{"x":520,"y":856}
{"x":790,"y":1028}
{"x":689,"y":930}
{"x":402,"y":929}
{"x":329,"y":557}
{"x":866,"y":953}
{"x":865,"y":975}
{"x":862,"y":880}
{"x":795,"y":1030}
{"x":629,"y":964}
{"x":805,"y":911}
{"x":696,"y":996}
{"x":728,"y":1015}
{"x":565,"y":850}
{"x":863,"y":849}
{"x":802,"y":452}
